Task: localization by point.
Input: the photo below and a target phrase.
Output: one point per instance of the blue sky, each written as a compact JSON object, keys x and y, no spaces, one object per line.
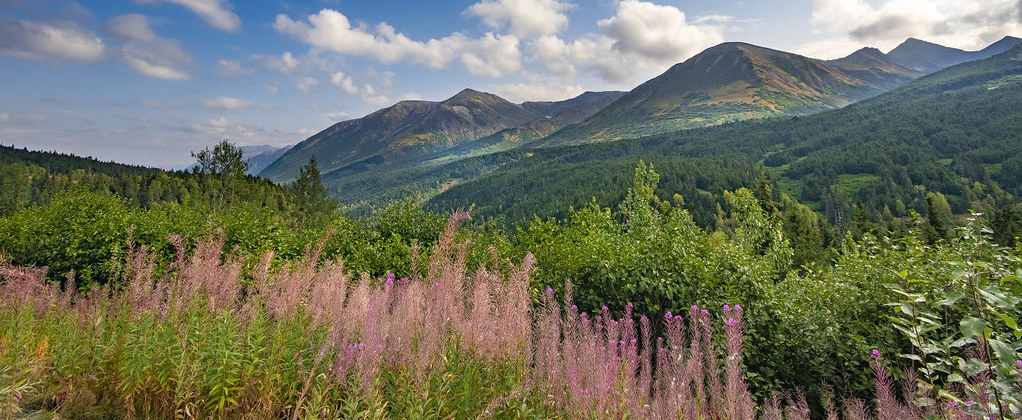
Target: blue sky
{"x":148,"y":81}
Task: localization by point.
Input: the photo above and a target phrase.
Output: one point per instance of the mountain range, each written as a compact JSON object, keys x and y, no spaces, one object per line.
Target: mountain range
{"x":407,"y":146}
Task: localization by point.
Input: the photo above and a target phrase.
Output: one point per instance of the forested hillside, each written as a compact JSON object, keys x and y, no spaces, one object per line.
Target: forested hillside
{"x":952,"y":133}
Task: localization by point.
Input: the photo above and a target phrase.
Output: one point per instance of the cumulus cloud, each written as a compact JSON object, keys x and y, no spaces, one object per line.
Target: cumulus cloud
{"x":63,"y":40}
{"x":306,"y":84}
{"x":657,"y":32}
{"x":272,"y":87}
{"x":215,"y":12}
{"x":490,"y":55}
{"x":231,"y":68}
{"x":523,"y":18}
{"x":366,"y":92}
{"x":967,"y":24}
{"x":229,"y":104}
{"x":538,"y":91}
{"x":145,"y":51}
{"x":561,"y":57}
{"x":285,"y":63}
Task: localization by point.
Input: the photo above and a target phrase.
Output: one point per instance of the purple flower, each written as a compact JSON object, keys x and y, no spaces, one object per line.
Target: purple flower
{"x":731,"y":321}
{"x":694,"y":308}
{"x":668,"y":315}
{"x":605,"y":309}
{"x":954,"y":404}
{"x":705,"y":312}
{"x":677,"y":318}
{"x":574,"y":308}
{"x":437,"y":284}
{"x":549,"y":290}
{"x":727,"y":308}
{"x":738,"y":308}
{"x":1018,"y":363}
{"x":876,"y":353}
{"x":390,"y":281}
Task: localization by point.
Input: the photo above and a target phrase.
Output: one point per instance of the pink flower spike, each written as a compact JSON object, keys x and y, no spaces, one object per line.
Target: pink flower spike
{"x":694,"y":308}
{"x":705,"y":312}
{"x":549,"y":290}
{"x":727,"y":308}
{"x":738,"y":308}
{"x":876,"y":353}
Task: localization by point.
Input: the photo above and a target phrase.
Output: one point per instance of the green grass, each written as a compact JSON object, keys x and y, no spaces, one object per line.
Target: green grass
{"x":849,"y":184}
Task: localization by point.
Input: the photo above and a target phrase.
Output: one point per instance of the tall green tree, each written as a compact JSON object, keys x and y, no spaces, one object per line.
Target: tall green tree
{"x":224,"y":166}
{"x":314,"y":203}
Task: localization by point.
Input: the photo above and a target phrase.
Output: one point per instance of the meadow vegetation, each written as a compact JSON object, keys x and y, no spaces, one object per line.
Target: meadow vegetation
{"x":218,"y":302}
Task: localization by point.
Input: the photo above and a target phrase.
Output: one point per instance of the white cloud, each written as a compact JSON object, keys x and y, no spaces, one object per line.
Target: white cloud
{"x":524,"y":18}
{"x":966,"y":24}
{"x":331,"y":30}
{"x":215,"y":12}
{"x":231,"y":68}
{"x":229,"y":104}
{"x":146,"y":52}
{"x":657,"y":32}
{"x":561,"y":57}
{"x":366,"y":92}
{"x":336,"y":116}
{"x":272,"y":87}
{"x":548,"y":91}
{"x":285,"y":63}
{"x":306,"y":84}
{"x":62,"y":40}
{"x":344,"y":83}
{"x":491,"y":55}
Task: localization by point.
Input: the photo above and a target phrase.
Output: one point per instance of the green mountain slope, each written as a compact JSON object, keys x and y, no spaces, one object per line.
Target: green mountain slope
{"x":954,"y":132}
{"x":410,"y":132}
{"x":728,"y":82}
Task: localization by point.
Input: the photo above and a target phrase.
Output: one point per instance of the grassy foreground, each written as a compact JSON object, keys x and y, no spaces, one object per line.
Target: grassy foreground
{"x":211,"y":338}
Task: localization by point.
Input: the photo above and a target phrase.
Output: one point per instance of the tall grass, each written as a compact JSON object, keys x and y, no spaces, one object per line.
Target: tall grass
{"x":208,"y":338}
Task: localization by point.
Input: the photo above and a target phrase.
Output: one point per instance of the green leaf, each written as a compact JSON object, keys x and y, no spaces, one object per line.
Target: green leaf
{"x":1004,"y":351}
{"x":972,"y":327}
{"x":950,"y":299}
{"x":972,"y":367}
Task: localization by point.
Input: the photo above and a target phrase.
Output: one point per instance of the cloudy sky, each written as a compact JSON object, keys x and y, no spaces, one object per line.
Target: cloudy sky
{"x":147,"y":81}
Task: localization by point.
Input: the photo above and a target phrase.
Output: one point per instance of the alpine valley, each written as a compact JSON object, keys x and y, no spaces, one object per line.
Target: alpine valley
{"x":722,"y":119}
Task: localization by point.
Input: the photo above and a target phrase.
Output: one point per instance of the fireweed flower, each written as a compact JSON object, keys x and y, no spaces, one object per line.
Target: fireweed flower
{"x":876,"y":353}
{"x":727,"y":308}
{"x":738,"y":307}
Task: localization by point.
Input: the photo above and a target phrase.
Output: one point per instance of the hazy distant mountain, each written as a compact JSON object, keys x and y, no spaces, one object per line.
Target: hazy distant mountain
{"x":259,"y":157}
{"x":728,"y":82}
{"x":410,"y":131}
{"x":927,"y":57}
{"x":872,"y":66}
